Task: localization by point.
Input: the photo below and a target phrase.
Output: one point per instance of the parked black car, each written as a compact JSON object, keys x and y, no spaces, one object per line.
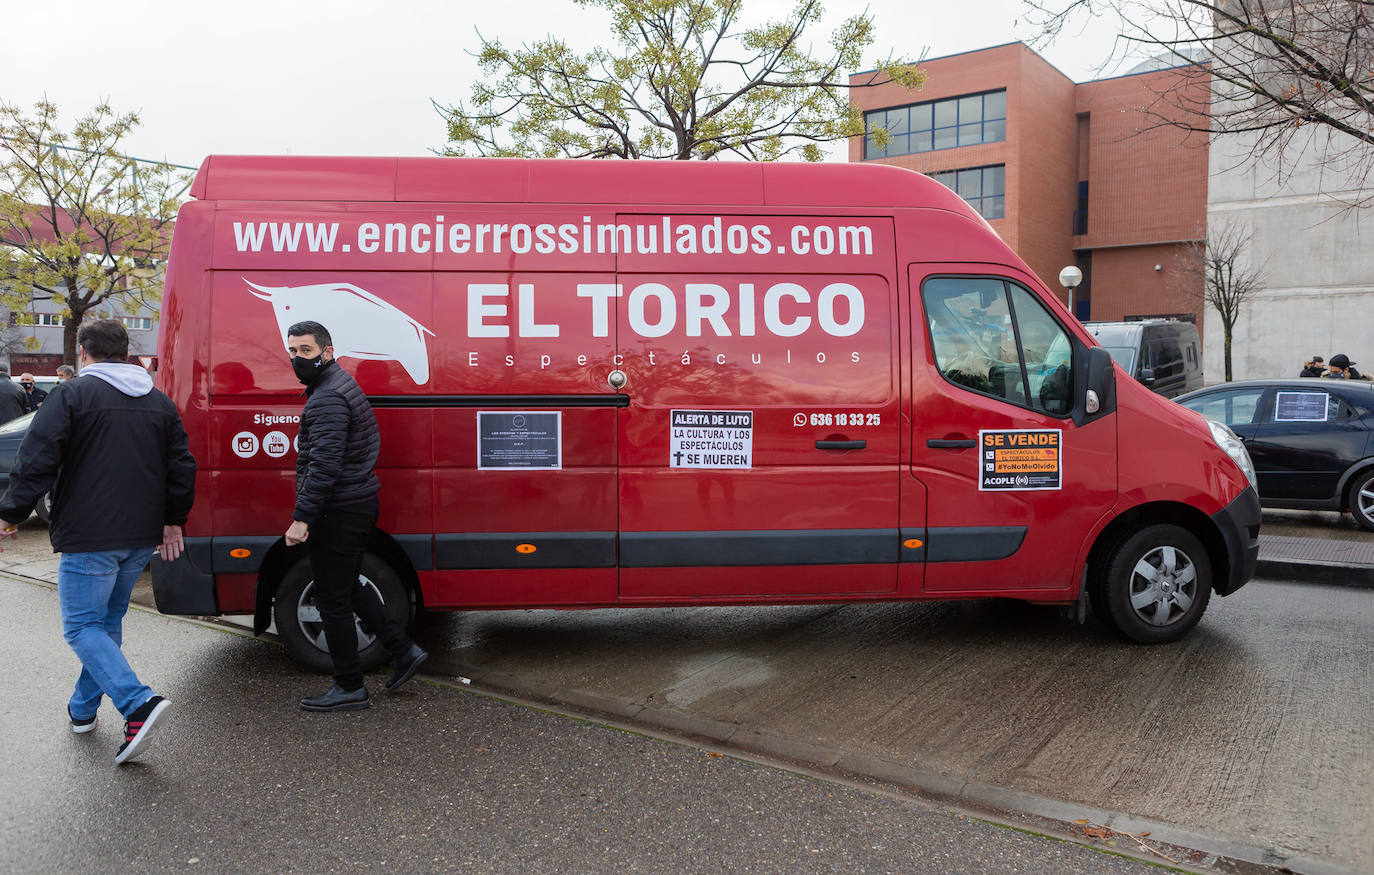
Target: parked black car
{"x":1310,"y":439}
{"x":11,"y":436}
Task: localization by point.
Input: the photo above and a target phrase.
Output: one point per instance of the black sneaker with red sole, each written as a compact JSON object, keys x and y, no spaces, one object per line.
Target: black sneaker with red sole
{"x":139,"y":727}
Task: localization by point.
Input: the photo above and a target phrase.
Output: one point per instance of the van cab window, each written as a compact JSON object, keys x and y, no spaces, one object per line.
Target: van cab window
{"x":996,"y":338}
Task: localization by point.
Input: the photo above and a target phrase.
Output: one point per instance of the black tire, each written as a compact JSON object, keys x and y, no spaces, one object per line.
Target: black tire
{"x":44,"y":508}
{"x":298,"y":620}
{"x":1138,"y":594}
{"x":1361,"y":500}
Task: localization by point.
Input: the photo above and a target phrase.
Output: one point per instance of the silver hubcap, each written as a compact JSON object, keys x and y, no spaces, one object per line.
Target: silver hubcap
{"x":1365,"y":500}
{"x":1163,"y":585}
{"x":312,"y":624}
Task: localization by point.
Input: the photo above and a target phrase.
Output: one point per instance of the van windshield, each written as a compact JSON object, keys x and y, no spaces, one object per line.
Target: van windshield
{"x":1124,"y":355}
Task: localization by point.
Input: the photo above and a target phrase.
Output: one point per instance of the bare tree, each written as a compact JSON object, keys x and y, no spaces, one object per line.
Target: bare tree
{"x":1220,"y":271}
{"x":1292,"y":77}
{"x":684,"y":80}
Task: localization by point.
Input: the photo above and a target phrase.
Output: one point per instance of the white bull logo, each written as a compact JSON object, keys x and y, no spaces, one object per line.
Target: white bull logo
{"x":361,"y":324}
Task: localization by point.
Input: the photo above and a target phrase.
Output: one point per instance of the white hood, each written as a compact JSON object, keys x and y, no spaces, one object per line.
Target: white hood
{"x":128,"y":378}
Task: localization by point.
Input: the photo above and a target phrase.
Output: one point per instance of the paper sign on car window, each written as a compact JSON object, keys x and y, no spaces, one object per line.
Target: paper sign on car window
{"x":1300,"y":407}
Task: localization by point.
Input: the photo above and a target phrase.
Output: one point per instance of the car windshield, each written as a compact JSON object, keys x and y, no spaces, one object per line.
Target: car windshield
{"x":18,"y":424}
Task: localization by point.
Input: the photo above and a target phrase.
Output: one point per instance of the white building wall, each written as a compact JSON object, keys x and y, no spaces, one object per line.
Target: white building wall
{"x":1317,"y":254}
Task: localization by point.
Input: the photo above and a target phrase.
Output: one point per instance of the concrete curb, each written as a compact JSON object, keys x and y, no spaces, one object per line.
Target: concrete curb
{"x":1332,"y":573}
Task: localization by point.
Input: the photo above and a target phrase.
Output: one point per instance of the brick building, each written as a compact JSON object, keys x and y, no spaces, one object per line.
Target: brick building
{"x":1067,"y":173}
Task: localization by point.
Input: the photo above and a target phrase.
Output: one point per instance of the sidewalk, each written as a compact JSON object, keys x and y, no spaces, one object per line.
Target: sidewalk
{"x":1315,"y":547}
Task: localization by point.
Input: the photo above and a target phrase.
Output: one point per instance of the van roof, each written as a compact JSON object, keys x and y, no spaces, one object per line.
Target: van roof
{"x":525,"y":180}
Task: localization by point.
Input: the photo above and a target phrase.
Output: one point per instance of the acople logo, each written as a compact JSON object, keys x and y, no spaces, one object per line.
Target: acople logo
{"x":362,"y":325}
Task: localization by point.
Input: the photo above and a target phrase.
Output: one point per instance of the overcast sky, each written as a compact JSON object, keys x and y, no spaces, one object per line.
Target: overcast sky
{"x":356,"y":78}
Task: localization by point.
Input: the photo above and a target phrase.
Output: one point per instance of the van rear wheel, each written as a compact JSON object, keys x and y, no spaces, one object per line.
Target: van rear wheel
{"x":1154,"y":586}
{"x":301,"y":628}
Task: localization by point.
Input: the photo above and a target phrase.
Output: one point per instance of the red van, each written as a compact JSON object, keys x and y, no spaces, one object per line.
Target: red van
{"x":675,"y":383}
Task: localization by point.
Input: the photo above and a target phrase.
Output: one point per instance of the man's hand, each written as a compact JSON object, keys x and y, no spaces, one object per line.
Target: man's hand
{"x":171,"y":545}
{"x":296,"y":533}
{"x":8,"y":530}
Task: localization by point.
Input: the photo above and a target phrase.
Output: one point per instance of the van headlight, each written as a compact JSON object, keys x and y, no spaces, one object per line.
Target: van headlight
{"x":1231,"y":445}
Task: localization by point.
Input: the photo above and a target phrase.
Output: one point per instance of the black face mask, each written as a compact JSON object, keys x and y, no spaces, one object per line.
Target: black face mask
{"x":307,"y":369}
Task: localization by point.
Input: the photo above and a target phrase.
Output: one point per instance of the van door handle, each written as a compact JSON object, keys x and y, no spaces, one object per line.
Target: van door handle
{"x":942,"y":444}
{"x":841,"y":445}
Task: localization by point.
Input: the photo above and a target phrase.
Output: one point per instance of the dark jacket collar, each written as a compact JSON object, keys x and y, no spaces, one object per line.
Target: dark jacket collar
{"x":325,"y":373}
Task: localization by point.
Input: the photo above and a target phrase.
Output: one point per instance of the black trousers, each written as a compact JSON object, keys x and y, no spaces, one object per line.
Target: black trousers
{"x":336,"y":544}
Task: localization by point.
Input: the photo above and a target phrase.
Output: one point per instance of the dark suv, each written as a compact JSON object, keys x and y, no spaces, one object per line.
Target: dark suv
{"x":1310,"y":439}
{"x":1161,"y":353}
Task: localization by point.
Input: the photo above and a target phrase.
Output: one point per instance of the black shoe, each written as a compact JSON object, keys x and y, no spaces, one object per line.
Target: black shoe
{"x":80,"y":726}
{"x":336,"y":698}
{"x":405,"y":667}
{"x":139,"y":726}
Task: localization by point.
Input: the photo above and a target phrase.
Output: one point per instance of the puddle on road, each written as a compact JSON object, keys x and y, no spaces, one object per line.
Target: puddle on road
{"x":710,"y":673}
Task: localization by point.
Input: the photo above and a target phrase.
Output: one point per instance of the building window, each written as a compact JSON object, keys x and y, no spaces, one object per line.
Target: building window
{"x":48,"y":319}
{"x":1080,"y":213}
{"x":939,"y":124}
{"x":984,"y":188}
{"x":137,"y":323}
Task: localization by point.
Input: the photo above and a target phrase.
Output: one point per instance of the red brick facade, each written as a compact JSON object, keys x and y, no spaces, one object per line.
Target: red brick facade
{"x":1147,"y":184}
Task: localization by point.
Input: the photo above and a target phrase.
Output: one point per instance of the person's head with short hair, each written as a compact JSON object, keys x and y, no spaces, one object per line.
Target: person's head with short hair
{"x":103,"y":340}
{"x":26,"y":380}
{"x":309,"y":339}
{"x":311,"y":349}
{"x":65,"y":373}
{"x":5,"y":368}
{"x":1317,"y":360}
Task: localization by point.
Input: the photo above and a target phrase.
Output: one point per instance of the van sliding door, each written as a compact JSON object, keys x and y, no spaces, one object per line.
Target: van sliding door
{"x":758,"y":455}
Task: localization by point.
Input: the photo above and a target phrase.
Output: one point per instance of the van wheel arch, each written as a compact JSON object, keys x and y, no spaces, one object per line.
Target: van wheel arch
{"x":1142,"y":516}
{"x":280,"y":559}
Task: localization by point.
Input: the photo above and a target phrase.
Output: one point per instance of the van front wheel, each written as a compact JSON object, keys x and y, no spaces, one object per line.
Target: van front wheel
{"x":1154,"y":586}
{"x":301,"y":627}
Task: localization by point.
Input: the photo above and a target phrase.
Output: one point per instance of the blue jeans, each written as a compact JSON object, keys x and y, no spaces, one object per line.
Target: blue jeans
{"x":93,"y":589}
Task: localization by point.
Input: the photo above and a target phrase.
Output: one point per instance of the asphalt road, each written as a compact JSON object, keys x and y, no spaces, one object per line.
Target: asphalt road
{"x":1253,"y":737}
{"x":432,"y":779}
{"x":1256,"y":729}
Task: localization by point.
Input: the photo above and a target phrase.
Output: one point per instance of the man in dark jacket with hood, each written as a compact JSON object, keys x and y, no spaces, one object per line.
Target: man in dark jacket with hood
{"x":112,"y":451}
{"x":336,"y":509}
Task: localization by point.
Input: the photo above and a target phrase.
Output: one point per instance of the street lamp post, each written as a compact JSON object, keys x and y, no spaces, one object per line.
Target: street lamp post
{"x":1069,"y":278}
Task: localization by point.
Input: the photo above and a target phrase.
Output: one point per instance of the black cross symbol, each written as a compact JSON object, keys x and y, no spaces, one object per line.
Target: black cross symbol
{"x":677,"y":457}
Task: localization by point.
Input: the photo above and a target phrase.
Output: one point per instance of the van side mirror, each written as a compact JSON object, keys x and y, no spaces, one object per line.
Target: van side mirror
{"x":1147,"y":376}
{"x":1095,"y":382}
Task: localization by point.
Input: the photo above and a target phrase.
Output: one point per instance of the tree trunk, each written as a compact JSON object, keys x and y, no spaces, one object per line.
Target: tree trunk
{"x":1227,"y":351}
{"x":69,"y":329}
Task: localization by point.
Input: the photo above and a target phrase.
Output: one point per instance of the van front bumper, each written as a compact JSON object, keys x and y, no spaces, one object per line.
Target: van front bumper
{"x":1239,"y":524}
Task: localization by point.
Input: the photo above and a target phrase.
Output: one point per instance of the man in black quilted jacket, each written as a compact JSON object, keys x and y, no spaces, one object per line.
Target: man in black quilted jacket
{"x":336,"y":509}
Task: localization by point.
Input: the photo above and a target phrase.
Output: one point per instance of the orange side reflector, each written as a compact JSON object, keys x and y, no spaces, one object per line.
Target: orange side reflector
{"x":525,"y":548}
{"x":913,"y":543}
{"x":240,"y":552}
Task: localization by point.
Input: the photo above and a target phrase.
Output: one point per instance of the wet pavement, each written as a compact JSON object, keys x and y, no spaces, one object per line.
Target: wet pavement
{"x":431,"y":779}
{"x":1253,"y":738}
